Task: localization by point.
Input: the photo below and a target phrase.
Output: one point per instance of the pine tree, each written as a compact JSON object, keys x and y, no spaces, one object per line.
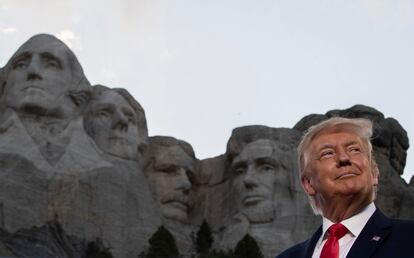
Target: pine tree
{"x":97,"y":250}
{"x":204,"y":239}
{"x":162,"y":244}
{"x":248,"y":248}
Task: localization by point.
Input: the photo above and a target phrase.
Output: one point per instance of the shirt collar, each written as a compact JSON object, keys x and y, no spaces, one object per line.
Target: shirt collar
{"x":354,"y":224}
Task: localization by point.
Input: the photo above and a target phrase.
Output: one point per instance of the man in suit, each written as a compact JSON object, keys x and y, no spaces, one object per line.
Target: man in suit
{"x":339,"y":174}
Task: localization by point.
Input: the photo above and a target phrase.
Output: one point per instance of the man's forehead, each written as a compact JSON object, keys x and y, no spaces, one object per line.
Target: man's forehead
{"x":50,"y":46}
{"x":173,"y":155}
{"x":113,"y":98}
{"x":328,"y":139}
{"x":263,"y":148}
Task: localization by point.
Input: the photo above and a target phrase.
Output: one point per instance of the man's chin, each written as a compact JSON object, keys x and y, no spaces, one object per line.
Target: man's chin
{"x":261,"y":212}
{"x":174,"y":213}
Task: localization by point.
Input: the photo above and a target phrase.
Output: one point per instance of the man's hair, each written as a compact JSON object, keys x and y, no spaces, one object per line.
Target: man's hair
{"x":242,"y":136}
{"x":360,"y":126}
{"x":157,"y":142}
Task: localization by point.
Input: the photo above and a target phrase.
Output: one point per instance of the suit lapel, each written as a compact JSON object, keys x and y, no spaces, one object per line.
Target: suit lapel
{"x":310,"y":247}
{"x":374,"y":233}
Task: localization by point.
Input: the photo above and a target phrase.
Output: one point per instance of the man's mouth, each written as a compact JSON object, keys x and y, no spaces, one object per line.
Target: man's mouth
{"x":32,"y":87}
{"x":252,"y":199}
{"x":177,"y":205}
{"x":346,"y":175}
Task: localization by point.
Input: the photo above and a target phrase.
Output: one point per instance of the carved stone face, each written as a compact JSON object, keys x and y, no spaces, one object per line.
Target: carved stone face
{"x":40,"y":76}
{"x":112,"y":124}
{"x":255,"y":170}
{"x":169,"y":177}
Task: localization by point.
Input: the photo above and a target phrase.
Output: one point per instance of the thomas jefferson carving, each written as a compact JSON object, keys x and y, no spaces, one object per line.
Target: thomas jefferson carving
{"x":116,"y":121}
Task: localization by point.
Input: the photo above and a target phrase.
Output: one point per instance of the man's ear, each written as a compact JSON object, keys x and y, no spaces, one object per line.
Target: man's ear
{"x":308,"y":185}
{"x":80,"y":98}
{"x":375,"y":174}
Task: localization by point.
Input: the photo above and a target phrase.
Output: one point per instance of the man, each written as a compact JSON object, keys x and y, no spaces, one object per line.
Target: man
{"x":116,"y":121}
{"x":259,"y":164}
{"x":260,"y":175}
{"x":43,"y":93}
{"x":44,"y":78}
{"x":340,"y":176}
{"x":170,"y":172}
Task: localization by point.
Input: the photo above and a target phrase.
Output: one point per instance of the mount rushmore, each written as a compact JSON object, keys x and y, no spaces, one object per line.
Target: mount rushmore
{"x":81,"y":156}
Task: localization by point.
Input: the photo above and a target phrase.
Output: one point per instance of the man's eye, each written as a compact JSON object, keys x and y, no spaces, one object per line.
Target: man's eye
{"x":165,"y":168}
{"x":354,"y":149}
{"x":327,"y":154}
{"x":103,"y":113}
{"x":267,"y":167}
{"x":20,"y":65}
{"x":239,"y":170}
{"x":52,"y":64}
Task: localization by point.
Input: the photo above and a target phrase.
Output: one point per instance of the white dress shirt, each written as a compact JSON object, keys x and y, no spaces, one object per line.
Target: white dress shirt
{"x":354,"y":224}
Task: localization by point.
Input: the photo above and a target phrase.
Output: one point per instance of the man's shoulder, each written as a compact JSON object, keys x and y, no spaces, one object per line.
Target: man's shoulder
{"x":403,"y":225}
{"x":296,"y":251}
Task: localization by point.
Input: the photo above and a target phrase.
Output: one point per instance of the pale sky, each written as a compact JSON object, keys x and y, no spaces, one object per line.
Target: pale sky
{"x":201,"y":68}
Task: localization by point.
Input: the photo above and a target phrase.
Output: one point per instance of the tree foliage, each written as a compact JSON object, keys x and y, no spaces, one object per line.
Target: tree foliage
{"x":248,"y":248}
{"x":162,"y":244}
{"x":97,"y":250}
{"x":204,"y":239}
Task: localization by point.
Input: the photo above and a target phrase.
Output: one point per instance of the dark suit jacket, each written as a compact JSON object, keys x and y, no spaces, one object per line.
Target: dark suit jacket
{"x":381,"y":237}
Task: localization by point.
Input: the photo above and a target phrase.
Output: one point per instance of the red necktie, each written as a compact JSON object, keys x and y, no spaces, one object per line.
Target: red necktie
{"x":331,"y":247}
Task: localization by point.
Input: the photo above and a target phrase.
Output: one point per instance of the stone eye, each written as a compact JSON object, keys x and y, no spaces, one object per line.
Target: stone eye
{"x":52,"y":63}
{"x":104,"y":113}
{"x":20,"y":65}
{"x":239,"y":170}
{"x":267,"y":167}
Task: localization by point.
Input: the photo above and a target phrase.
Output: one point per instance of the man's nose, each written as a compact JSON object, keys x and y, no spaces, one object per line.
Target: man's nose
{"x":343,"y":159}
{"x":120,"y":121}
{"x":34,"y":69}
{"x":249,"y":179}
{"x":183,"y":182}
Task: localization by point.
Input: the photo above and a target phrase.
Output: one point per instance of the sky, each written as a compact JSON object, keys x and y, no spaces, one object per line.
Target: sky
{"x":201,"y":68}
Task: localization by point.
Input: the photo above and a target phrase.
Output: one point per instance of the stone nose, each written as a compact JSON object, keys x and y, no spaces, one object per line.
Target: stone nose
{"x":34,"y":69}
{"x":119,"y":121}
{"x":183,"y":182}
{"x":249,"y":179}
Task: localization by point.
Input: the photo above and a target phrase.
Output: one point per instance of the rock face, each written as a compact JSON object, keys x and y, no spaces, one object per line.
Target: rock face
{"x":76,"y":165}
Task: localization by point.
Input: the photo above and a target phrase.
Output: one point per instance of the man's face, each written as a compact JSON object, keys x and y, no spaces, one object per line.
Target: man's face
{"x":255,"y":173}
{"x":170,"y":180}
{"x":114,"y":125}
{"x":339,"y":167}
{"x":40,"y":76}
